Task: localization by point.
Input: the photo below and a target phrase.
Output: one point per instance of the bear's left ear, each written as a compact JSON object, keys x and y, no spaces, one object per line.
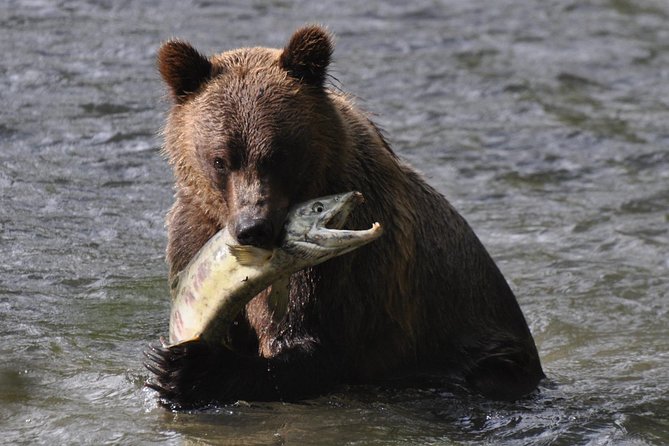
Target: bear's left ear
{"x":183,"y":69}
{"x":307,"y":55}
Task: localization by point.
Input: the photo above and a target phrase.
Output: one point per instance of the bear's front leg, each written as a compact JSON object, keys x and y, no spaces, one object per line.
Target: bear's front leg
{"x":196,"y":374}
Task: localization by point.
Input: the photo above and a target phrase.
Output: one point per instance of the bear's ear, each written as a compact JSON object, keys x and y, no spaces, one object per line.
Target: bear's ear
{"x":307,"y":55}
{"x":183,"y":69}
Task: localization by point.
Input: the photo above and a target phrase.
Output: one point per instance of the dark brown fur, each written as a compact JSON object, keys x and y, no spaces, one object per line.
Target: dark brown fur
{"x":254,"y":131}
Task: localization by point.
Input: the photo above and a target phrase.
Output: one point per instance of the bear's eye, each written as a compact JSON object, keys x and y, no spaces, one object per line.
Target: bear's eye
{"x":220,"y":164}
{"x":318,"y":207}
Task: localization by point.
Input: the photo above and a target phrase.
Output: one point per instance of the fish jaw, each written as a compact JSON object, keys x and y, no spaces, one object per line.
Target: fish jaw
{"x":314,"y":233}
{"x":323,"y":244}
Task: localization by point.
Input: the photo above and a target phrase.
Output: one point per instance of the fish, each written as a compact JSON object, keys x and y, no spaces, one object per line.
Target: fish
{"x":211,"y":291}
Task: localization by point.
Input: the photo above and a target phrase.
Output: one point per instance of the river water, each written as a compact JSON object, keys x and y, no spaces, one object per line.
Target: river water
{"x":544,"y":122}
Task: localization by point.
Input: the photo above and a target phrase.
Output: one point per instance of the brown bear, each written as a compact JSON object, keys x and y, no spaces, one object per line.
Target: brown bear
{"x":255,"y":130}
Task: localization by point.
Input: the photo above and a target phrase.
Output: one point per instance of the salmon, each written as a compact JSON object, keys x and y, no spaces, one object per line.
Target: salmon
{"x":224,"y":276}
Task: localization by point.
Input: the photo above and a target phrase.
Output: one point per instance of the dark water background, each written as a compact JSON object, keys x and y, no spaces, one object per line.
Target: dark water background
{"x":545,"y":122}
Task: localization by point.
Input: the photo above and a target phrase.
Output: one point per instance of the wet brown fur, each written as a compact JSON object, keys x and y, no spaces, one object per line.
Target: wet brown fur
{"x":425,"y":296}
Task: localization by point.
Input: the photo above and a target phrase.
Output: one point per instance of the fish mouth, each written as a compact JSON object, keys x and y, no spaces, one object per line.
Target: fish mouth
{"x":344,"y":240}
{"x":325,"y":238}
{"x":338,"y":215}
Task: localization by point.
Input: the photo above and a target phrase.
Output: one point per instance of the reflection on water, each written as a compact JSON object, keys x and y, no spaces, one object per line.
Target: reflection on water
{"x":544,"y":122}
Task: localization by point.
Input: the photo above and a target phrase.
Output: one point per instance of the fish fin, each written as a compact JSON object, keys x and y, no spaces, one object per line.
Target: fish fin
{"x":248,"y":255}
{"x":278,"y":298}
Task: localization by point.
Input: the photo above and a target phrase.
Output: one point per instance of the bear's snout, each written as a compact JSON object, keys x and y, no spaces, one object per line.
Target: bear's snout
{"x":257,"y":232}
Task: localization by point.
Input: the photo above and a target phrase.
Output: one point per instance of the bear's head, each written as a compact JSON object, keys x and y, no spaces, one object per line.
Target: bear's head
{"x":251,"y":131}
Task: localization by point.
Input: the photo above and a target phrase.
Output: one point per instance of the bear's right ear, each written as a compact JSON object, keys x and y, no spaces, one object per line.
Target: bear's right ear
{"x":183,"y":69}
{"x":307,"y":55}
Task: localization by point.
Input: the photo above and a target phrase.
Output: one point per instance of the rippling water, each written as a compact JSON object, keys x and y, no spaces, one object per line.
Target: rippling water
{"x":545,"y":122}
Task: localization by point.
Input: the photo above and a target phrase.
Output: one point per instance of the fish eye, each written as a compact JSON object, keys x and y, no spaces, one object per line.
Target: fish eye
{"x":318,"y":207}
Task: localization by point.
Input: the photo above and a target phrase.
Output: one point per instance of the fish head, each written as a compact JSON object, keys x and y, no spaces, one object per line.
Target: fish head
{"x":314,"y":231}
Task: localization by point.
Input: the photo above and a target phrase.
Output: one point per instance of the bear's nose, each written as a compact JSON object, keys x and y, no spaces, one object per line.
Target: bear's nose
{"x":254,"y":231}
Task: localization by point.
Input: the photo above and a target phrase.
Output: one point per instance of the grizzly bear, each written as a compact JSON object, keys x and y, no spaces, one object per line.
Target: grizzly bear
{"x":253,"y":131}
